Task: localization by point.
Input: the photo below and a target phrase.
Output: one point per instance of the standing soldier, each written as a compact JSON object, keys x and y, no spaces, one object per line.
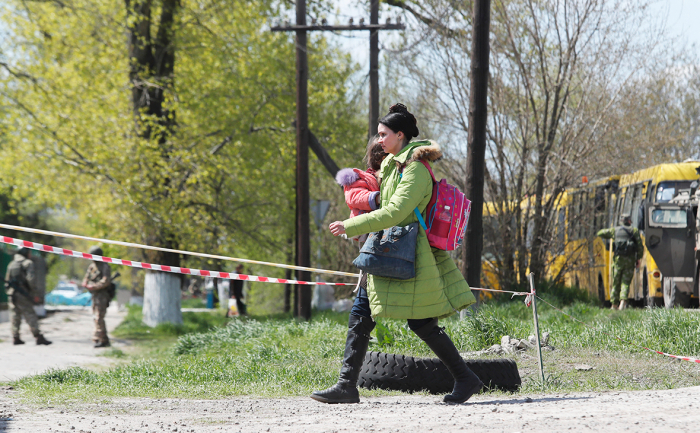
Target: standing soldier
{"x":98,"y":280}
{"x":19,"y":284}
{"x":627,"y":251}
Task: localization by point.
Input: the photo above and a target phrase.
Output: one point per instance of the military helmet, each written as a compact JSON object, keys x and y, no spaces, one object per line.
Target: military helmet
{"x":23,"y":252}
{"x":95,"y":250}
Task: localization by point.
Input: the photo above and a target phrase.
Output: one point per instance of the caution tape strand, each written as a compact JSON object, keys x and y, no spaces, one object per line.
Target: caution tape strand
{"x":168,"y":250}
{"x":163,"y":268}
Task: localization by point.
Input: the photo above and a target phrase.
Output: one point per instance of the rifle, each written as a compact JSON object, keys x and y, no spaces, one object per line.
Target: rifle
{"x":15,"y":285}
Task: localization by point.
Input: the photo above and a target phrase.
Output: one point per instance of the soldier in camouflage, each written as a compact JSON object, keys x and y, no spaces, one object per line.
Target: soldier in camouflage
{"x":98,"y":278}
{"x":19,"y":285}
{"x":625,"y":260}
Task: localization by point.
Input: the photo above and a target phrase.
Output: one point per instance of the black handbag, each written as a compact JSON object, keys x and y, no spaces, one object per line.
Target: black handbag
{"x":390,"y":253}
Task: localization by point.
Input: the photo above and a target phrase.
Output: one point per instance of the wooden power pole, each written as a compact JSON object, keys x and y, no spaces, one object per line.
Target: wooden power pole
{"x":303,"y":256}
{"x":477,"y":140}
{"x":373,"y":69}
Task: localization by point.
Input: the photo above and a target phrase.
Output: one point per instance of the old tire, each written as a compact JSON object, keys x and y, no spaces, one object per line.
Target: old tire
{"x":409,"y":374}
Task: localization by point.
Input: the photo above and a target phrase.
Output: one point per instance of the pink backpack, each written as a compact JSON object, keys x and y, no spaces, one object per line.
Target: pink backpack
{"x":447,"y":215}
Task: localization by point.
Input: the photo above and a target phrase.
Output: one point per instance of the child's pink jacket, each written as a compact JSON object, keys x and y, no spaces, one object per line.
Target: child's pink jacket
{"x":361,"y":189}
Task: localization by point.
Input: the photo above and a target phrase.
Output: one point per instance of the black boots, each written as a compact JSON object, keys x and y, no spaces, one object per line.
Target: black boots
{"x":99,"y":344}
{"x":40,"y":340}
{"x":466,"y":382}
{"x":17,"y":341}
{"x":345,"y":391}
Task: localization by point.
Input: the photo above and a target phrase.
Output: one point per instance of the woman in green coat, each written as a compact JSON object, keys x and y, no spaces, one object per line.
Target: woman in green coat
{"x":438,"y":289}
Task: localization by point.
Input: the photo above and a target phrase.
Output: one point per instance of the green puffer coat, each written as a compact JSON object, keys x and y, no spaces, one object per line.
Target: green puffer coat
{"x":439,"y":289}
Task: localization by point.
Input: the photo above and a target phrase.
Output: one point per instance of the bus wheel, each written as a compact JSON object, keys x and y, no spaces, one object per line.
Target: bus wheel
{"x":601,"y":292}
{"x":673,"y":297}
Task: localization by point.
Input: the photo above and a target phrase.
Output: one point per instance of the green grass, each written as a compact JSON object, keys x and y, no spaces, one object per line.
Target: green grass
{"x":133,"y":327}
{"x":193,"y":303}
{"x":273,"y":356}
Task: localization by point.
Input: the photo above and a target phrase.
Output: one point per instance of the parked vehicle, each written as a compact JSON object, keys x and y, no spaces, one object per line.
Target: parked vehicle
{"x":672,"y":232}
{"x":68,"y":293}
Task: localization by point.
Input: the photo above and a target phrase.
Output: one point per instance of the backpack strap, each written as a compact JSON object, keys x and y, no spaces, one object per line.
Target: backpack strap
{"x":416,"y":211}
{"x":425,"y":163}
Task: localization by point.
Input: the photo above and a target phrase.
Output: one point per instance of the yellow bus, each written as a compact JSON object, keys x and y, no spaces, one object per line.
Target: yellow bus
{"x":654,"y":185}
{"x":583,"y":258}
{"x":575,"y":256}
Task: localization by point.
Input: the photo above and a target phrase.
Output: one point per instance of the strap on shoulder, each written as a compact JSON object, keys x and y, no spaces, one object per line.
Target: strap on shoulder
{"x":425,"y":163}
{"x":416,"y":211}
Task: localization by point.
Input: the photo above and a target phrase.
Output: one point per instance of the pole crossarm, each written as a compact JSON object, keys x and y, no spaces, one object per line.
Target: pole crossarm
{"x":314,"y":28}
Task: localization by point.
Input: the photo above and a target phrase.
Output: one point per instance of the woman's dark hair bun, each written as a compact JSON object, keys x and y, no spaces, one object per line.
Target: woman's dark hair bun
{"x":400,"y":119}
{"x":398,"y":108}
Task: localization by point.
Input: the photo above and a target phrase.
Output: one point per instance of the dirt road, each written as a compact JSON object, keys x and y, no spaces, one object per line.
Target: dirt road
{"x":642,"y":411}
{"x":70,"y":330}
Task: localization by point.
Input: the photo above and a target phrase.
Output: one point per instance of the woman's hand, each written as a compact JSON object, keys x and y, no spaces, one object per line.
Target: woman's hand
{"x":337,"y":228}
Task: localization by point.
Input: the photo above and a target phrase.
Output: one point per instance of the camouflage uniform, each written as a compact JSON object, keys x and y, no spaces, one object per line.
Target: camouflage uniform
{"x":21,"y":269}
{"x":623,"y":266}
{"x":100,"y":275}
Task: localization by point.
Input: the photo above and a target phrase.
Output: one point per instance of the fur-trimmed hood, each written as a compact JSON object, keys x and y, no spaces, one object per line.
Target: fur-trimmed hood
{"x":429,"y":152}
{"x":426,"y":150}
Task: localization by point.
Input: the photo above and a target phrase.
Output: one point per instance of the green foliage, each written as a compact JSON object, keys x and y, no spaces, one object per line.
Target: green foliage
{"x":222,"y":182}
{"x":485,"y":328}
{"x":278,"y":356}
{"x":193,"y":303}
{"x":384,"y":336}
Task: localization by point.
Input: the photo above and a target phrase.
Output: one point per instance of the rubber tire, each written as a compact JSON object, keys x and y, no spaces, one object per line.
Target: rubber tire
{"x":673,"y":297}
{"x":409,"y":374}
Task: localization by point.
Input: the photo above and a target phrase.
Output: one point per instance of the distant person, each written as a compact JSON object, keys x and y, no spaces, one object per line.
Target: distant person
{"x":98,"y":279}
{"x":627,"y":251}
{"x":19,"y":285}
{"x":236,"y":289}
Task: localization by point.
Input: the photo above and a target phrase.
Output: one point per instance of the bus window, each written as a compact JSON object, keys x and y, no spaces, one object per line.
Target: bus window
{"x":665,"y":191}
{"x":599,"y":212}
{"x":581,"y":198}
{"x":636,"y":202}
{"x":618,"y":206}
{"x":561,"y":224}
{"x":677,"y":218}
{"x":627,"y":207}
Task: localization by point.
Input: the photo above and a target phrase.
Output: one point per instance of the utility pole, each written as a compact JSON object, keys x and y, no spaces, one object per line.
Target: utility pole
{"x":478,"y":112}
{"x":303,"y":308}
{"x":303,"y":231}
{"x":373,"y":69}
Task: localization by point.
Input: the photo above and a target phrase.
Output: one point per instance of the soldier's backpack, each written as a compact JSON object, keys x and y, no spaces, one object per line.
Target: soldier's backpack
{"x":625,"y":245}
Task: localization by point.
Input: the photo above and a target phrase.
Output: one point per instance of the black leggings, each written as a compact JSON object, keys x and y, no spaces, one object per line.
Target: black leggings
{"x":361,"y":308}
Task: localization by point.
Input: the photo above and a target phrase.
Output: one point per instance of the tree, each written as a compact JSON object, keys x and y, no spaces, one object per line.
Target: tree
{"x":560,"y":74}
{"x":179,"y":135}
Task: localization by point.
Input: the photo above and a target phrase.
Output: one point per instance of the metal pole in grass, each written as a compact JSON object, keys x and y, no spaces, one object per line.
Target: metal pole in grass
{"x":531,"y":277}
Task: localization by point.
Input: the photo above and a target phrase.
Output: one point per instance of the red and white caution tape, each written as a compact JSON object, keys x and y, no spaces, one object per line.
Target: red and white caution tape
{"x":163,"y":268}
{"x":168,"y":250}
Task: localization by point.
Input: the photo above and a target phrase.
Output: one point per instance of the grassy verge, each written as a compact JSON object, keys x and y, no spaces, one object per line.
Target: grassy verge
{"x":277,"y":356}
